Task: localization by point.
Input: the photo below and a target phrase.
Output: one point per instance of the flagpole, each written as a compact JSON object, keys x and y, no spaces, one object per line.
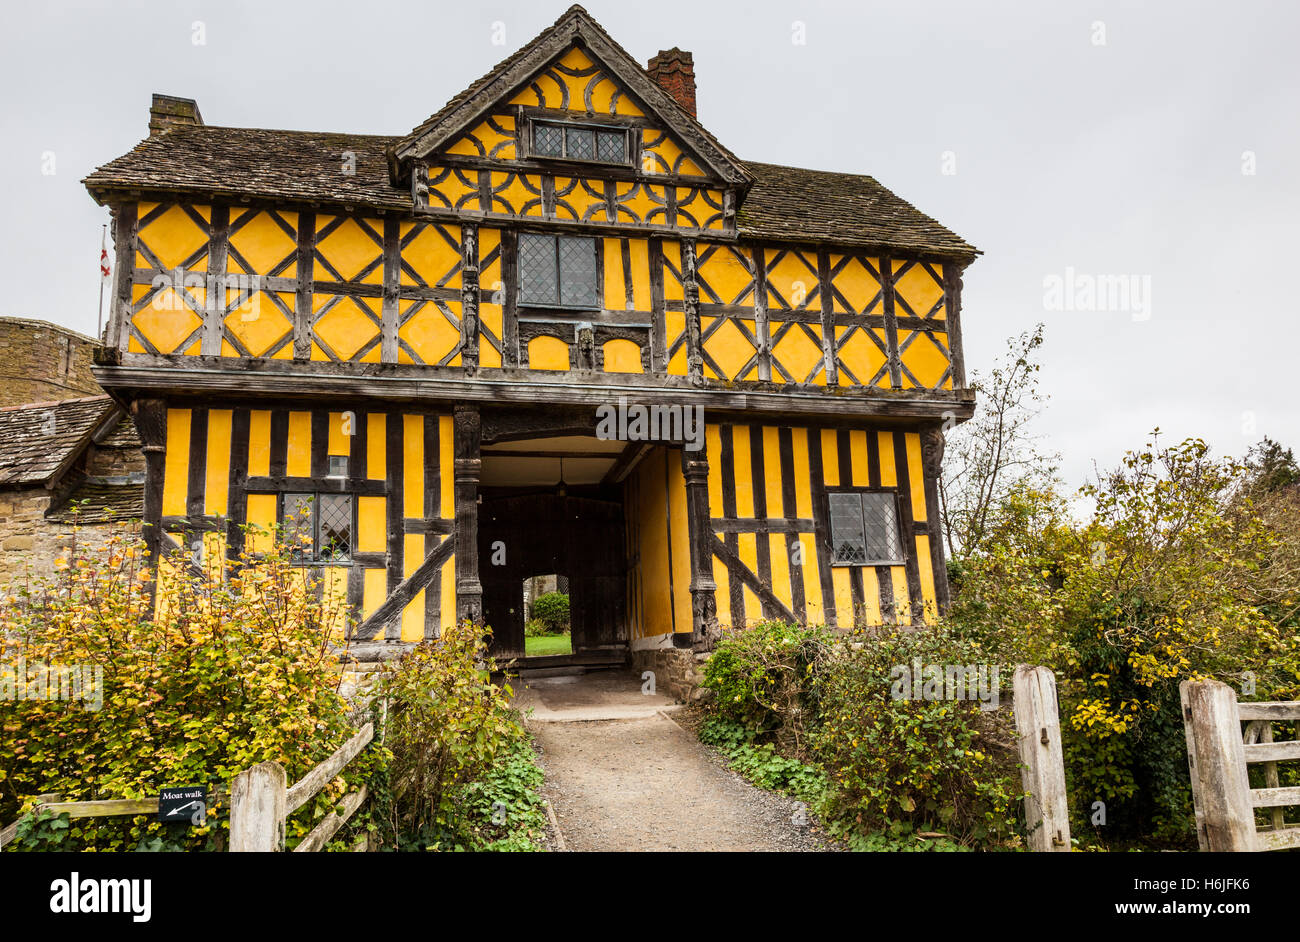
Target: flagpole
{"x":103,"y":250}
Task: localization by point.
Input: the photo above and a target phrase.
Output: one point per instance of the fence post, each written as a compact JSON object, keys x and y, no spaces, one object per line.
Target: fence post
{"x":1038,"y":728}
{"x":257,"y":808}
{"x":1216,"y":758}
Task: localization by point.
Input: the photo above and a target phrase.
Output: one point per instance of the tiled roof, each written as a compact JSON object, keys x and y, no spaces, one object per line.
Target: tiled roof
{"x":39,"y":439}
{"x":791,"y":203}
{"x":784,"y":204}
{"x":100,"y":502}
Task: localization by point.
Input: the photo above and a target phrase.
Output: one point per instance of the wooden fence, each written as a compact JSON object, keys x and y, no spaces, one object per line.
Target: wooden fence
{"x":1218,"y":755}
{"x":260,"y":802}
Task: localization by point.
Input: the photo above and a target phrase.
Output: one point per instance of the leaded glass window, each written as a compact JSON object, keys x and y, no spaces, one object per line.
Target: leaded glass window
{"x":558,"y":271}
{"x":864,"y":528}
{"x":318,"y":527}
{"x":548,"y":140}
{"x":611,"y":146}
{"x":580,"y":142}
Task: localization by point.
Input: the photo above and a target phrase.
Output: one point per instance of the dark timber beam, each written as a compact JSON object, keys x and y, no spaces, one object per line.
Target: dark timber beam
{"x":704,"y":604}
{"x":468,"y":464}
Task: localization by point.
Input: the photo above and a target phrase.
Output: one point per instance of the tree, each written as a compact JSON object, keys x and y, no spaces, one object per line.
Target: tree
{"x":1271,"y":467}
{"x":995,"y":454}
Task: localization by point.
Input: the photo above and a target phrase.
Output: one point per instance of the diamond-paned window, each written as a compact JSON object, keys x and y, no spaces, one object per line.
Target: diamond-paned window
{"x":580,"y":142}
{"x":548,"y":140}
{"x":611,"y":146}
{"x":334,"y":528}
{"x":864,"y":528}
{"x":318,"y":527}
{"x":539,"y":280}
{"x":558,"y":271}
{"x":577,"y":272}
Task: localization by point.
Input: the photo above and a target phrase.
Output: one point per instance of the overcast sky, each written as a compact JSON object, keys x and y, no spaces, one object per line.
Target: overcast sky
{"x":1067,"y":140}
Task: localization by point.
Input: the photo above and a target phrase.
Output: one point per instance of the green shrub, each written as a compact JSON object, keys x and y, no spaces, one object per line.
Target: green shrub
{"x":230,"y":673}
{"x":905,"y":767}
{"x":552,"y":610}
{"x":536,"y":629}
{"x":457,"y":751}
{"x":765,"y":678}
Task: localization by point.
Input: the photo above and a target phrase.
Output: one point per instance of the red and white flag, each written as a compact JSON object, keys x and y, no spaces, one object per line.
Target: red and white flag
{"x":103,"y":262}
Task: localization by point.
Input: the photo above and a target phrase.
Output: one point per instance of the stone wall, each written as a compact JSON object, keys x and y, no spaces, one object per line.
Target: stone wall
{"x":678,"y":671}
{"x":29,"y":543}
{"x":41,"y":362}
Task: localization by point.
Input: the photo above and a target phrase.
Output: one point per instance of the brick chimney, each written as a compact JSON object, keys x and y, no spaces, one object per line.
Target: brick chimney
{"x":674,"y":70}
{"x":168,"y":111}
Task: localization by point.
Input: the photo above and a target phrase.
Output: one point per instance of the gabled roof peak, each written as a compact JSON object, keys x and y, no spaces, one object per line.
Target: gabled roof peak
{"x":575,"y":26}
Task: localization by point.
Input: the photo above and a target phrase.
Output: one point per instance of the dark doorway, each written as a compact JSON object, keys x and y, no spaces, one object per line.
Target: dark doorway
{"x":582,"y":536}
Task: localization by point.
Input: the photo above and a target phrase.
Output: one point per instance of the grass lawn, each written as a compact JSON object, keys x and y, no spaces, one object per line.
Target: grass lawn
{"x":548,"y":644}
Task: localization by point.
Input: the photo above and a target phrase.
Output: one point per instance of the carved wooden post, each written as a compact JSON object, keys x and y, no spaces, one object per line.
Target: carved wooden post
{"x":469,"y":298}
{"x":704,"y":605}
{"x":1038,"y":726}
{"x":469,"y":590}
{"x":691,"y":309}
{"x":257,"y":809}
{"x":1216,"y":757}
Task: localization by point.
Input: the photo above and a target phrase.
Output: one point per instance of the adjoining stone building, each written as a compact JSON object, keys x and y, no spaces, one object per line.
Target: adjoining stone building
{"x":40,"y":361}
{"x":64,"y":465}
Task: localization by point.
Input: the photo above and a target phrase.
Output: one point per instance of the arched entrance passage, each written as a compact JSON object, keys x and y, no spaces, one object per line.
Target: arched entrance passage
{"x":525,"y":535}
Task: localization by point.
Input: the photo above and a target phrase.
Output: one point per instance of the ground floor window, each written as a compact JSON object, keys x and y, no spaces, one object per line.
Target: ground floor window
{"x":864,"y":528}
{"x":319,"y":527}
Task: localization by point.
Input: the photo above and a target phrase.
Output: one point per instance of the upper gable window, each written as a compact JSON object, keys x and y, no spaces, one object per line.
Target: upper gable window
{"x":591,"y":143}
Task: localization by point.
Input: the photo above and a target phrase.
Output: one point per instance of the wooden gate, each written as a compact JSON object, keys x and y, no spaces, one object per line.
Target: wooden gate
{"x":1219,"y":754}
{"x":539,"y":534}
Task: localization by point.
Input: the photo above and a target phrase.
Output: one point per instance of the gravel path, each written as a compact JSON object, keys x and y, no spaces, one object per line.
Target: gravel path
{"x":645,"y":783}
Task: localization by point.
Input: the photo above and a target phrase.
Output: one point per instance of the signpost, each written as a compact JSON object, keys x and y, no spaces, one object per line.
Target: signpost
{"x":180,"y":804}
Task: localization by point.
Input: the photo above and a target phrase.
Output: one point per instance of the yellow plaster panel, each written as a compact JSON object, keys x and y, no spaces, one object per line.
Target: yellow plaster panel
{"x":622,"y":356}
{"x":376,"y":470}
{"x":177,"y":462}
{"x":259,"y":443}
{"x":447,"y":452}
{"x":260,"y":513}
{"x":265,"y":245}
{"x":413,"y":466}
{"x":259,"y":323}
{"x":742,"y":462}
{"x":434,"y":254}
{"x":548,"y":353}
{"x":217,"y":478}
{"x":429,"y":332}
{"x":856,"y":286}
{"x":372,"y":524}
{"x":351,"y":250}
{"x":888,"y":465}
{"x":916,"y":476}
{"x":727,"y":274}
{"x":799,"y":354}
{"x":299,"y":449}
{"x":918,"y":288}
{"x":173,"y":237}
